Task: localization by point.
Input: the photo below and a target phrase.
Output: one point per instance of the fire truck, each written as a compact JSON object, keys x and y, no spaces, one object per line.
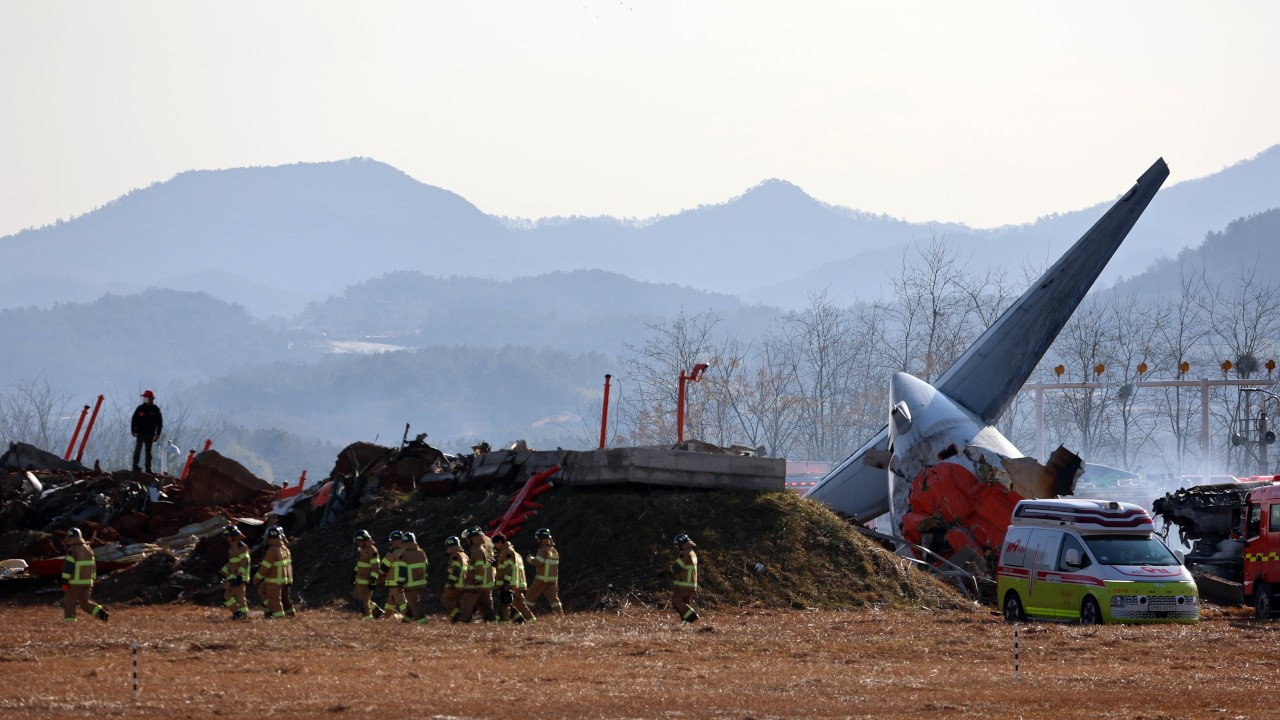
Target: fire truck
{"x":1233,"y":532}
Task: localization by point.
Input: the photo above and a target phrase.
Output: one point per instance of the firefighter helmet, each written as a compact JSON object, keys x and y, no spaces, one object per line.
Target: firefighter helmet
{"x":362,"y":535}
{"x":452,"y":541}
{"x":409,"y":538}
{"x":683,"y":538}
{"x":395,"y":536}
{"x":74,"y":532}
{"x":471,"y":532}
{"x":231,"y":531}
{"x":542,"y":534}
{"x":276,"y":532}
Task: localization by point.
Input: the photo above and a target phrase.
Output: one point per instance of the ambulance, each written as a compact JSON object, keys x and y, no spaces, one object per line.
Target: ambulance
{"x":1093,"y":562}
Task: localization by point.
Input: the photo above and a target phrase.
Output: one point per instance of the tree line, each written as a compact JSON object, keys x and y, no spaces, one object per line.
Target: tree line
{"x":815,"y":384}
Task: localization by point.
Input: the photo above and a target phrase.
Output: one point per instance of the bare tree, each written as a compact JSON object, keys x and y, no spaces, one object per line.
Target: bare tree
{"x":652,"y":373}
{"x":1134,"y":341}
{"x":1244,"y":321}
{"x":1086,"y":340}
{"x":1180,"y":329}
{"x":34,"y":412}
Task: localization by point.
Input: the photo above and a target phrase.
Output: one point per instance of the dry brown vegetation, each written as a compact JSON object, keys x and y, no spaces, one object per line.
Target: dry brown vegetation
{"x":637,"y":663}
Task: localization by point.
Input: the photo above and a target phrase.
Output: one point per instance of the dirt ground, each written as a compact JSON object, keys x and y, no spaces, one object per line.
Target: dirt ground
{"x":636,"y":663}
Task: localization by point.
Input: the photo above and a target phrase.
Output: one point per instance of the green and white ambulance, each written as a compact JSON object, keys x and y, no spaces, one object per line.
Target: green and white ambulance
{"x":1091,"y":561}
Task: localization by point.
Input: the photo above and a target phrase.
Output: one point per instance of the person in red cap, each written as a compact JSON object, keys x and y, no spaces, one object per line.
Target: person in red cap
{"x":146,"y":426}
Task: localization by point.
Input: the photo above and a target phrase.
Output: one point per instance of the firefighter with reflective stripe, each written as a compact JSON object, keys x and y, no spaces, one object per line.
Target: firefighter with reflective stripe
{"x":546,"y":579}
{"x":286,"y":592}
{"x":478,"y":588}
{"x":511,"y":582}
{"x":367,"y":565}
{"x":235,"y":574}
{"x":275,"y":572}
{"x":685,"y":570}
{"x":455,"y":577}
{"x":392,"y":569}
{"x":415,"y":578}
{"x":78,"y":572}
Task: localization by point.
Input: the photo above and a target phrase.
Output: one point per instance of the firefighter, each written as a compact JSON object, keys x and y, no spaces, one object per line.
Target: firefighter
{"x":235,"y":574}
{"x":685,"y":570}
{"x":367,"y":564}
{"x":511,"y":582}
{"x":455,"y":579}
{"x":275,"y":572}
{"x":478,"y":589}
{"x":546,"y":581}
{"x":392,"y":569}
{"x":78,"y":571}
{"x":415,"y":578}
{"x":286,"y":592}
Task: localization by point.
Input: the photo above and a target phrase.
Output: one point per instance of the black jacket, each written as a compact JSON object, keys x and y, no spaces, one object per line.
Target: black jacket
{"x":147,"y":420}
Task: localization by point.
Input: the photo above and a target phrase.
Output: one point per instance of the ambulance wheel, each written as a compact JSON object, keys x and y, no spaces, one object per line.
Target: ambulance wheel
{"x":1262,"y":601}
{"x":1013,"y":608}
{"x":1090,"y":613}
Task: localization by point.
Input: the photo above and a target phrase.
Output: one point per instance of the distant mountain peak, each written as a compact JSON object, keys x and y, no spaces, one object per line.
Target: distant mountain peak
{"x":775,"y":188}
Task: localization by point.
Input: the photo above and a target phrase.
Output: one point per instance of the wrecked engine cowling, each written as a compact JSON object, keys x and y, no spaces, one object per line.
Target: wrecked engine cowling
{"x":1207,"y":516}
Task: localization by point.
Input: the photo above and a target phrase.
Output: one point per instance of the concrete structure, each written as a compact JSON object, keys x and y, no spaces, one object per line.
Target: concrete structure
{"x":671,"y":467}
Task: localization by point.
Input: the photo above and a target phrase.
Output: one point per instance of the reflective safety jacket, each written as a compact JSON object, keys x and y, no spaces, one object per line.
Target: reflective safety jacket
{"x":686,"y":569}
{"x":457,"y":574}
{"x":367,"y":564}
{"x":277,"y":564}
{"x":237,"y":562}
{"x":547,"y":563}
{"x":392,"y":568}
{"x":481,"y":575}
{"x":78,"y":567}
{"x":415,"y":566}
{"x":511,"y":568}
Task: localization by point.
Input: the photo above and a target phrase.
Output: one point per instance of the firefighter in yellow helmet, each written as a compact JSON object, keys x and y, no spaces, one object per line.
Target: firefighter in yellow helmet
{"x":455,"y":577}
{"x":415,"y":578}
{"x":685,"y":570}
{"x":392,"y":569}
{"x":511,"y":582}
{"x":367,"y":564}
{"x":546,"y":579}
{"x":235,"y":574}
{"x":78,"y":572}
{"x":478,"y":588}
{"x":275,"y":572}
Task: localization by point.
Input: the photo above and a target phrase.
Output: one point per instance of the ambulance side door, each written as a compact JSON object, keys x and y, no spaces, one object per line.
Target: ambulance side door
{"x":1072,"y":591}
{"x":1046,"y":583}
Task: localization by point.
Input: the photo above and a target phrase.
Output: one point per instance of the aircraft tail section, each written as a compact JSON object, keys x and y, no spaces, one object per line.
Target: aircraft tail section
{"x":989,"y":374}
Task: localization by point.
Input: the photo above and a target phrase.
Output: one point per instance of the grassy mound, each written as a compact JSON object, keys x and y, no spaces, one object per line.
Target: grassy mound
{"x":616,"y":546}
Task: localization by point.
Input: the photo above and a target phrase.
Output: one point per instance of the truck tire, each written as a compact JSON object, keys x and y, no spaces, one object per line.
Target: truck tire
{"x":1090,"y":612}
{"x":1013,"y":611}
{"x":1263,"y":604}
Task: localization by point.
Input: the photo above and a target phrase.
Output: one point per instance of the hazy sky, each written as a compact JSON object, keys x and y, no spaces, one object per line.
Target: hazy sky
{"x":986,"y":113}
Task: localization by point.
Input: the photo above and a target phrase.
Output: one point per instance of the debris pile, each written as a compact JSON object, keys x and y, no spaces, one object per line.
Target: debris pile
{"x":612,"y":518}
{"x":127,"y":517}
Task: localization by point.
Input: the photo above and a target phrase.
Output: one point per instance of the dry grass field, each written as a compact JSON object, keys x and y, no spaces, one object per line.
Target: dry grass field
{"x":637,"y":663}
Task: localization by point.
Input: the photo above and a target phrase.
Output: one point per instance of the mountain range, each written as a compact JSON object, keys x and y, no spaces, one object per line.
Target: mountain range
{"x":277,"y":238}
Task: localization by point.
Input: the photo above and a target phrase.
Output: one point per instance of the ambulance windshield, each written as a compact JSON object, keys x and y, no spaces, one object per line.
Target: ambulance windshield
{"x":1129,"y":550}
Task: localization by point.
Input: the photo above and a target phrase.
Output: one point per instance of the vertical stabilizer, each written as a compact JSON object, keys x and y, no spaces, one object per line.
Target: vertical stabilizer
{"x":989,"y":374}
{"x":985,"y":379}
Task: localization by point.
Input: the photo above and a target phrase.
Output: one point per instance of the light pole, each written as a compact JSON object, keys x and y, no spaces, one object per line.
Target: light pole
{"x":695,"y":375}
{"x":1266,"y":436}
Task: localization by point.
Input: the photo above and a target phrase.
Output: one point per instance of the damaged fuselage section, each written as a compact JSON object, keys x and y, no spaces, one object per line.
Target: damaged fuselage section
{"x":955,"y":480}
